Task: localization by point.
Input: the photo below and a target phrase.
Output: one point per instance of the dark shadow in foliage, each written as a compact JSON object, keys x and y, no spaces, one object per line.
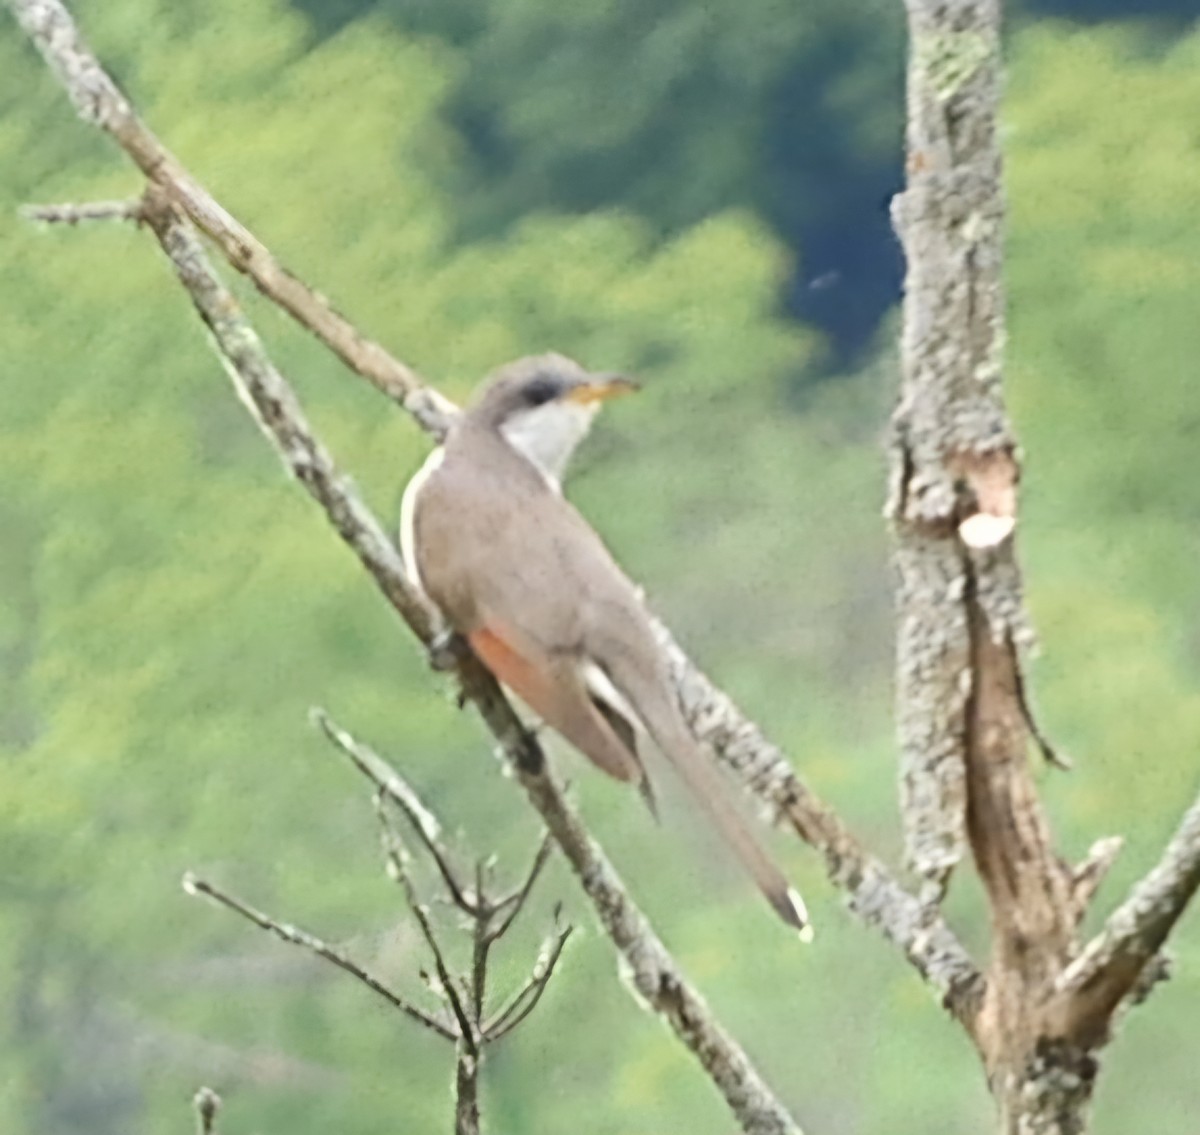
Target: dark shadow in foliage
{"x":678,"y":111}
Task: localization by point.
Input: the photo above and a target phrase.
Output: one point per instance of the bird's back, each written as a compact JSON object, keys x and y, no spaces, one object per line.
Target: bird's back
{"x":494,"y":536}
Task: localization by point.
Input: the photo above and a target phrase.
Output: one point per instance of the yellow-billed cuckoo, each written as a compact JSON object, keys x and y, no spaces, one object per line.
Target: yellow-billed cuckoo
{"x":518,"y":572}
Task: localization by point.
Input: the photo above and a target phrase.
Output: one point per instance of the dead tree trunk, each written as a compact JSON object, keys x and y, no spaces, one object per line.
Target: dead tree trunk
{"x":964,"y":724}
{"x":964,"y":719}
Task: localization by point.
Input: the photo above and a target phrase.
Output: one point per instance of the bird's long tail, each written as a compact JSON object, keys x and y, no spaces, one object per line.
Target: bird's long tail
{"x":671,"y":734}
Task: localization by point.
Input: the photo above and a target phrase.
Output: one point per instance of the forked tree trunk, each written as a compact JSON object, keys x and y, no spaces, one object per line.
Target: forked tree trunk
{"x":963,"y":718}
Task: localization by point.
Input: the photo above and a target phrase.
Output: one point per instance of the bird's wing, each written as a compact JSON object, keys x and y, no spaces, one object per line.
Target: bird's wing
{"x":493,"y":557}
{"x":553,"y":687}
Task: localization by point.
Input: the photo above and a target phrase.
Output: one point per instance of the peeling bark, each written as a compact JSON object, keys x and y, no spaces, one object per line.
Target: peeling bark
{"x":963,"y":716}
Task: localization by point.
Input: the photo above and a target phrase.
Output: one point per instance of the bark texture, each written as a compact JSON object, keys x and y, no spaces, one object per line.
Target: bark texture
{"x":964,"y":729}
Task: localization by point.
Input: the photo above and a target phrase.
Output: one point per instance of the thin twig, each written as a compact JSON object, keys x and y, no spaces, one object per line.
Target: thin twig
{"x":397,"y":860}
{"x":515,"y":902}
{"x":1092,"y":871}
{"x":525,"y":1000}
{"x":389,"y":782}
{"x":314,"y":945}
{"x":67,"y":214}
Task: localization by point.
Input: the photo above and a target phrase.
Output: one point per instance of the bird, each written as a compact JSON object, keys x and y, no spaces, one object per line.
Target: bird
{"x":513,"y":568}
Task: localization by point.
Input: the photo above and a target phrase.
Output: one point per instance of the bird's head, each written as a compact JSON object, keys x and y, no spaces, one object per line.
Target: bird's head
{"x":543,"y":406}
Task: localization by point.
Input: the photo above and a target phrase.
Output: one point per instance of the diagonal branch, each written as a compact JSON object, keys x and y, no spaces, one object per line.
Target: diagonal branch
{"x":296,"y":937}
{"x":653,"y":972}
{"x":874,"y":894}
{"x":1110,"y":966}
{"x":514,"y":903}
{"x":99,"y":100}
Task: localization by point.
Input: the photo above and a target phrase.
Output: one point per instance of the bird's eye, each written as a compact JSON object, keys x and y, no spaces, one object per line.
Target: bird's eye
{"x":541,"y":391}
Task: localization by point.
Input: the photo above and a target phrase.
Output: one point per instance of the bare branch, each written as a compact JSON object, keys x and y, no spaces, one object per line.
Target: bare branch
{"x":466,"y":1090}
{"x":525,"y":1000}
{"x":99,"y":101}
{"x":73,"y":214}
{"x":515,"y":902}
{"x":481,"y":944}
{"x":649,"y":970}
{"x":391,"y":784}
{"x":1110,"y":965}
{"x":296,"y":937}
{"x":207,"y":1103}
{"x":273,"y":404}
{"x":397,"y":857}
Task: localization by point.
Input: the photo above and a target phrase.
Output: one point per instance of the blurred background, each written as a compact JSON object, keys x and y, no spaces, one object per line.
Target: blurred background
{"x":697,"y":193}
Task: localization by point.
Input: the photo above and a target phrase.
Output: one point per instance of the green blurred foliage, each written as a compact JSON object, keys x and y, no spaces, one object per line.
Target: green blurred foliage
{"x":679,"y":111}
{"x":173,"y":606}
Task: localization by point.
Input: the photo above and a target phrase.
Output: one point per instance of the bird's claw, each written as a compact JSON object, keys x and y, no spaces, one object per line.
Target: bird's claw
{"x":446,"y":651}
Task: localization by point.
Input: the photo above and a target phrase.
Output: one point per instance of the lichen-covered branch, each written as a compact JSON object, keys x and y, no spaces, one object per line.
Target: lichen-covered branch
{"x":963,"y":714}
{"x":654,"y":973}
{"x":651,"y":973}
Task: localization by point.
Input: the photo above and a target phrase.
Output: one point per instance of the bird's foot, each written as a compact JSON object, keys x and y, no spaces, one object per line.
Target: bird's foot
{"x":447,"y":651}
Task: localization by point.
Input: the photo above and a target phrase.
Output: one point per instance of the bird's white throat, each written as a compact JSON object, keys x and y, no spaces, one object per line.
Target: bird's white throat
{"x":548,"y":435}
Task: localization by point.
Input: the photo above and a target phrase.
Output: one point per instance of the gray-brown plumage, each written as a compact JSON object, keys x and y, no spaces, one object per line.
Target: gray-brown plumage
{"x":516,"y":570}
